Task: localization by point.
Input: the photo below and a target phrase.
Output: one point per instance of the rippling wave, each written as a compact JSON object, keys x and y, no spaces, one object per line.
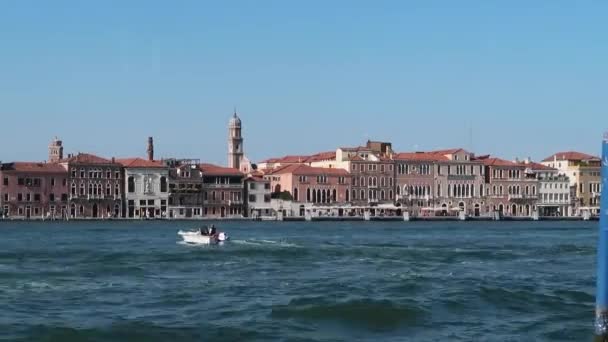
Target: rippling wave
{"x":124,"y":281}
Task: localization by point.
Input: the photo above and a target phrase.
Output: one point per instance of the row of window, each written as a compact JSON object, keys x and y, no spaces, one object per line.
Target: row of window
{"x":254,"y":198}
{"x":555,"y":197}
{"x":95,"y":189}
{"x":222,"y":195}
{"x":552,"y":186}
{"x":594,"y":187}
{"x":363,"y":195}
{"x":372,"y":181}
{"x":95,"y":173}
{"x":512,"y":174}
{"x":36,"y":198}
{"x":372,"y":167}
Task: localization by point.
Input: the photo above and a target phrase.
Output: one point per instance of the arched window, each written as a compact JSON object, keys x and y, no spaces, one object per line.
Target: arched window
{"x":370,"y":181}
{"x":319,"y":199}
{"x":390,"y":195}
{"x":354,"y":194}
{"x":163,"y":184}
{"x":295,"y":194}
{"x":308,"y":195}
{"x":347,"y":196}
{"x":382,"y":197}
{"x":362,"y":181}
{"x":314,"y":196}
{"x":108,"y":189}
{"x":334,"y":195}
{"x":362,"y":194}
{"x":73,"y":189}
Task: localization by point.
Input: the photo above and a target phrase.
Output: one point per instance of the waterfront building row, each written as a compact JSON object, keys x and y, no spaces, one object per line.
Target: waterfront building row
{"x":371,"y":179}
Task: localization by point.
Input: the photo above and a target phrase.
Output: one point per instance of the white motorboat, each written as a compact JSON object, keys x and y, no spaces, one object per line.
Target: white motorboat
{"x":196,"y":237}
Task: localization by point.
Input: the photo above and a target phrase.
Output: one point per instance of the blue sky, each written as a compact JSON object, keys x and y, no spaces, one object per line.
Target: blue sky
{"x":527,"y":78}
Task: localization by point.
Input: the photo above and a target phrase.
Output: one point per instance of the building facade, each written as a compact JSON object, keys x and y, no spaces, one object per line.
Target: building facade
{"x":311,"y":187}
{"x":146,"y":188}
{"x":258,"y":196}
{"x":554,"y":191}
{"x":95,"y":185}
{"x":583,"y":171}
{"x":33,"y":190}
{"x":185,"y":189}
{"x":223,"y":191}
{"x":510,"y":191}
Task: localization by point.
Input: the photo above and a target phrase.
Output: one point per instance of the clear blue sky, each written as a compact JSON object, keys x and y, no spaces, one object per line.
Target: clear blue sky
{"x":529,"y":77}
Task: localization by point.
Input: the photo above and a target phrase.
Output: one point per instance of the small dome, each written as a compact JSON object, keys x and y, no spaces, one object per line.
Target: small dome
{"x":235,"y":121}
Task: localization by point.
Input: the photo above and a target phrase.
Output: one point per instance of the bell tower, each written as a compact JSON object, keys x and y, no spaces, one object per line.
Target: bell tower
{"x":55,"y":150}
{"x":235,"y":142}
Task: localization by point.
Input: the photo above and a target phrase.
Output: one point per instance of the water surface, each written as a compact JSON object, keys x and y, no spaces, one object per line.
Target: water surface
{"x":351,"y":281}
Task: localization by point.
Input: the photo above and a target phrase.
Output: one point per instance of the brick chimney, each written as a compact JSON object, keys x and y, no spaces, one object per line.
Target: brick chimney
{"x":150,"y":148}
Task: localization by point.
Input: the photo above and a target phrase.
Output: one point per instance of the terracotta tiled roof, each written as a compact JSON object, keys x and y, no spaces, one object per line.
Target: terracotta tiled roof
{"x":215,"y":170}
{"x":287,"y":159}
{"x":421,"y":156}
{"x":87,"y":158}
{"x":538,"y":166}
{"x":330,"y":155}
{"x":448,"y":151}
{"x":305,"y":170}
{"x":570,"y":155}
{"x":140,"y":163}
{"x":500,"y":162}
{"x":32,"y":167}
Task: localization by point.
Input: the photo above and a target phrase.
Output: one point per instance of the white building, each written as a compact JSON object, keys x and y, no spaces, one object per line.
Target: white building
{"x":258,"y":197}
{"x":554,"y":192}
{"x":146,"y":188}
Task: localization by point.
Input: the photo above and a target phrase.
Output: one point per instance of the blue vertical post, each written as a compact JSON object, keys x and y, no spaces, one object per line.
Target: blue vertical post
{"x":601,"y":298}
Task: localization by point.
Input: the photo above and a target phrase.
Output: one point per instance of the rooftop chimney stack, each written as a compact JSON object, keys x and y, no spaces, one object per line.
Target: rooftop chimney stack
{"x":150,"y":149}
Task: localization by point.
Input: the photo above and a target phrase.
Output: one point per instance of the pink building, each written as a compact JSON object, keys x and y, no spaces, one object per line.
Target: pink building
{"x":314,"y":185}
{"x":33,"y":190}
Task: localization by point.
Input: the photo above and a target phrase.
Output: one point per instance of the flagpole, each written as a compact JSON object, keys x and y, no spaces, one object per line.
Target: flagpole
{"x":601,"y":298}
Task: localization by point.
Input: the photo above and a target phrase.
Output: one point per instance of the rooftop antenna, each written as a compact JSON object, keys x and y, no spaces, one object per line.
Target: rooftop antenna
{"x":601,"y":296}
